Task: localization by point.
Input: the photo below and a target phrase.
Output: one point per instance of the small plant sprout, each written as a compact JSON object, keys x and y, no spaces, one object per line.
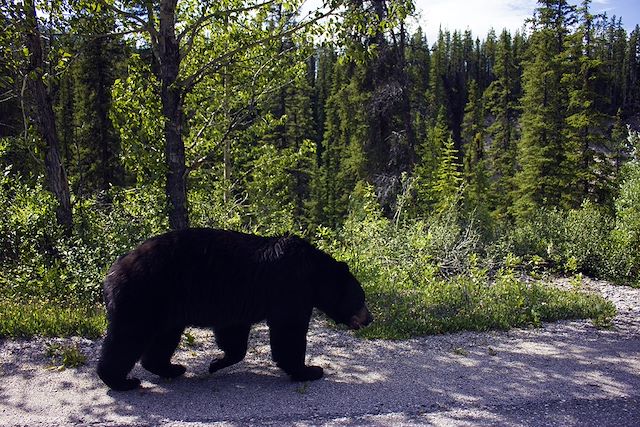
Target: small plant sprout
{"x":302,"y":388}
{"x":65,"y":356}
{"x":461,"y":351}
{"x":188,"y":339}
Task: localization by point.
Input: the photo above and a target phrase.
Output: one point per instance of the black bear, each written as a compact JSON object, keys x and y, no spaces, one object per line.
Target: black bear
{"x":227,"y":281}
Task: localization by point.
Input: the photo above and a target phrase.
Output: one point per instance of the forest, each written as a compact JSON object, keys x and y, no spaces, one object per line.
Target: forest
{"x":455,"y":176}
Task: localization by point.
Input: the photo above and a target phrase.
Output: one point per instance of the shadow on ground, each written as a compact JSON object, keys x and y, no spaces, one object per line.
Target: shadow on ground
{"x":459,"y":376}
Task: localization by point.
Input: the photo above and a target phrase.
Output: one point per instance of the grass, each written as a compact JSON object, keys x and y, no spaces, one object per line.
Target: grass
{"x":465,"y":303}
{"x":65,"y":356}
{"x":27,"y":319}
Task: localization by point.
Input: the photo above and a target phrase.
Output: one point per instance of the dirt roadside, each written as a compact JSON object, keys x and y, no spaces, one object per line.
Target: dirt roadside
{"x":566,"y":373}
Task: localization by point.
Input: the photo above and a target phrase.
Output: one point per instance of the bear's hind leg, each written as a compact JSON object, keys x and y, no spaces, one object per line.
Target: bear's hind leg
{"x":120,"y":351}
{"x":233,"y":341}
{"x":157,"y":356}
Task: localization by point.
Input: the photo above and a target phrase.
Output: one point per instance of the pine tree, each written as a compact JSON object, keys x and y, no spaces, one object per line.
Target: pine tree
{"x":615,"y":45}
{"x":473,"y":122}
{"x":631,"y":86}
{"x":487,"y":59}
{"x":437,"y":177}
{"x":437,"y":95}
{"x":448,"y":177}
{"x":541,"y":180}
{"x":501,"y":99}
{"x":342,"y":162}
{"x":586,"y":166}
{"x":473,"y":137}
{"x":418,"y":60}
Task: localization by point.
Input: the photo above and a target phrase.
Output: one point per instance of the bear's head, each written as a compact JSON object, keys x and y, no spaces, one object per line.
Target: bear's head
{"x":340,"y":296}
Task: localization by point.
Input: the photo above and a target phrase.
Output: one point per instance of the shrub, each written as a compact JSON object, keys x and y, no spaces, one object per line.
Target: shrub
{"x":424,"y":277}
{"x":577,"y":240}
{"x":626,"y":235}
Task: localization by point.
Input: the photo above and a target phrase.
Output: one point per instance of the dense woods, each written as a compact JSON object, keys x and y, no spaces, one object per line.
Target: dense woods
{"x":345,"y":124}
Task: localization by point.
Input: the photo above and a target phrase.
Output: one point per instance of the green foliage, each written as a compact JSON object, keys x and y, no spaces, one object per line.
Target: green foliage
{"x":501,"y":98}
{"x":342,"y":159}
{"x":437,"y":177}
{"x":425,"y":278}
{"x":626,"y":235}
{"x":560,"y":238}
{"x":39,"y":261}
{"x":282,"y":135}
{"x":448,"y":177}
{"x":271,"y":186}
{"x":136,"y":116}
{"x":42,"y":318}
{"x":66,"y":356}
{"x":541,"y":181}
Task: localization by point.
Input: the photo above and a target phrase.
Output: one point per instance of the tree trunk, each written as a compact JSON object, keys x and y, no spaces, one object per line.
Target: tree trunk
{"x":55,"y":174}
{"x":171,"y":97}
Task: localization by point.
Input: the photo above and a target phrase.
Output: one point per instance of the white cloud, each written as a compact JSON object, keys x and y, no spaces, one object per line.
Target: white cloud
{"x":478,"y":16}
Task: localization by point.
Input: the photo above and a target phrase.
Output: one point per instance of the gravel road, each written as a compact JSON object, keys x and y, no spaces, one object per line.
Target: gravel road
{"x":565,"y":373}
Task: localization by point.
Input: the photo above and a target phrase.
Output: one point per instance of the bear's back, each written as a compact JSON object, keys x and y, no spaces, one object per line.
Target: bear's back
{"x":205,"y":275}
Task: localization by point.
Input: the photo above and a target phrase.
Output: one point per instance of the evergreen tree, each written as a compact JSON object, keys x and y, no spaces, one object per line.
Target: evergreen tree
{"x":418,"y":60}
{"x":448,"y":177}
{"x":631,"y":84}
{"x":473,"y":137}
{"x":541,"y":180}
{"x":501,"y":98}
{"x":320,"y":73}
{"x":437,"y":95}
{"x":473,"y":122}
{"x":342,"y":161}
{"x":586,"y":165}
{"x":616,"y":46}
{"x":96,"y":164}
{"x":437,"y":177}
{"x":487,"y":59}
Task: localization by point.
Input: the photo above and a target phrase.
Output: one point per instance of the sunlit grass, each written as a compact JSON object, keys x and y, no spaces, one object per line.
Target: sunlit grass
{"x":465,"y":304}
{"x":27,"y":319}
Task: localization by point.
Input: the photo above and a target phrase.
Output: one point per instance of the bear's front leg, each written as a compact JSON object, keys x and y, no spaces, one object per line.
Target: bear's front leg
{"x":288,"y":347}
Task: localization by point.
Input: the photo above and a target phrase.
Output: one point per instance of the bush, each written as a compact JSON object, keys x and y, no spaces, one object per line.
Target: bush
{"x":565,"y":241}
{"x":424,"y":277}
{"x":40,"y":262}
{"x":626,"y":235}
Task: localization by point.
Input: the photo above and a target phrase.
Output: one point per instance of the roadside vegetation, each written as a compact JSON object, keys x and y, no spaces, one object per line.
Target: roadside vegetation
{"x":422,"y":276}
{"x":455,"y":176}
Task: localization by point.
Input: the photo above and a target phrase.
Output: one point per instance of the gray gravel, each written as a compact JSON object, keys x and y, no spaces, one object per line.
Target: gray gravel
{"x":565,"y":373}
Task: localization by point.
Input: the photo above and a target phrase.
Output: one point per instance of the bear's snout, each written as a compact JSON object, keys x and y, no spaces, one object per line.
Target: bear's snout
{"x":361,"y":319}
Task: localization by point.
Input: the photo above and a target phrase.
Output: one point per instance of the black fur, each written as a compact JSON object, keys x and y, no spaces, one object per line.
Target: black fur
{"x":225,"y":280}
